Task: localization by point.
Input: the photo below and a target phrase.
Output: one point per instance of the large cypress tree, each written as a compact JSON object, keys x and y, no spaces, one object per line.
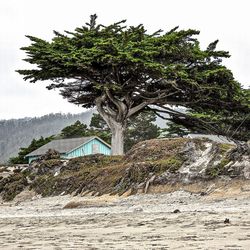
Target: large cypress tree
{"x":124,"y":70}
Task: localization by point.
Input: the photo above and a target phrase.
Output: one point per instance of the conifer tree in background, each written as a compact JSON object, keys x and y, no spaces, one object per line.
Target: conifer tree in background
{"x":125,"y":70}
{"x":174,"y":130}
{"x":35,"y":144}
{"x":140,"y":128}
{"x":99,"y":128}
{"x":98,"y":123}
{"x":77,"y":129}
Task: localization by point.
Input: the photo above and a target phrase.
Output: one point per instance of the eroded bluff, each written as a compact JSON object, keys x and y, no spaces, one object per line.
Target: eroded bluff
{"x":148,"y":164}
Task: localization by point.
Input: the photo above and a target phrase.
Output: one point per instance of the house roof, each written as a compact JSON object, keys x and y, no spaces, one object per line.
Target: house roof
{"x":64,"y":145}
{"x":216,"y":138}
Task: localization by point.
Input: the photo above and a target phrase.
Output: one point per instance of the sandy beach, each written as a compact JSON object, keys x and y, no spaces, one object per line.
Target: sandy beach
{"x":177,"y":220}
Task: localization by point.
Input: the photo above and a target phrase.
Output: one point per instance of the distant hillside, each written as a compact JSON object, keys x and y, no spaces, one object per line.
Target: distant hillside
{"x":16,"y":133}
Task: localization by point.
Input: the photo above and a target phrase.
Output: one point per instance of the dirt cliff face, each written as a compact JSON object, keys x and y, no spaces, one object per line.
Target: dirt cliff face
{"x":148,"y":164}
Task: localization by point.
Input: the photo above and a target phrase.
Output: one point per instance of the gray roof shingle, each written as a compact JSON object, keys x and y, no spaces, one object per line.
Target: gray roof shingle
{"x":62,"y":145}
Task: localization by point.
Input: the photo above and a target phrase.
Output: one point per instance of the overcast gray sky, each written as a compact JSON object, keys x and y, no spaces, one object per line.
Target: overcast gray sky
{"x":226,"y":20}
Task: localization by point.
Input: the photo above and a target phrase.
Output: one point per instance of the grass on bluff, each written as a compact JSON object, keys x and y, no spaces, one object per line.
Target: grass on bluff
{"x":89,"y":172}
{"x":112,"y":174}
{"x":12,"y":186}
{"x":102,"y":174}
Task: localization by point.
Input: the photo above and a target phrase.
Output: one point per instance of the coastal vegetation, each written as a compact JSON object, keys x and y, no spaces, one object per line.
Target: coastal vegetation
{"x":148,"y":164}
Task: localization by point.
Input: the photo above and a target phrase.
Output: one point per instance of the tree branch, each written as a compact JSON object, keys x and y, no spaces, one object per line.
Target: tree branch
{"x":139,"y":107}
{"x":184,"y":119}
{"x":122,"y":108}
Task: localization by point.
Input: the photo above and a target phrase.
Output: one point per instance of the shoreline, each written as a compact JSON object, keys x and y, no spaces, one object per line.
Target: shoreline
{"x":176,"y":220}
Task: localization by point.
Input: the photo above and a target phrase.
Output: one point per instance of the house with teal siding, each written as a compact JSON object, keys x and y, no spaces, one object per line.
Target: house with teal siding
{"x":73,"y":147}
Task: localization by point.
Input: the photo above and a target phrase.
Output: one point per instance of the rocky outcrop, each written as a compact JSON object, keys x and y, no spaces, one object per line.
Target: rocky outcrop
{"x":150,"y":163}
{"x":239,"y":162}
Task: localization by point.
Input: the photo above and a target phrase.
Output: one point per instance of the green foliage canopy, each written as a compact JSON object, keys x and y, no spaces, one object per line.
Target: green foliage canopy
{"x":124,"y":70}
{"x":140,"y":128}
{"x":77,"y":129}
{"x":174,"y":130}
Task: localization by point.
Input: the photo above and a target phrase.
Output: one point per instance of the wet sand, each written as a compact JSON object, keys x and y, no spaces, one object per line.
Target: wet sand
{"x":145,"y":221}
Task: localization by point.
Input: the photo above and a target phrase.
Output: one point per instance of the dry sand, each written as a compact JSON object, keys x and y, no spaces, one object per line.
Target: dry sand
{"x":144,"y":221}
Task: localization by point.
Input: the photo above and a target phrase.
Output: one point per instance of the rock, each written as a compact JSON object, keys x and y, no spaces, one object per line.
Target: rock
{"x":148,"y":183}
{"x":176,"y":211}
{"x":225,"y":178}
{"x":56,"y":173}
{"x":203,"y":193}
{"x":50,"y":154}
{"x":240,"y":167}
{"x":141,"y":185}
{"x":138,"y":209}
{"x":29,"y":181}
{"x":74,"y":193}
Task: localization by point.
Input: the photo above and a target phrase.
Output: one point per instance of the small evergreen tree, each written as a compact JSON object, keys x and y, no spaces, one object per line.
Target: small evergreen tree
{"x":174,"y":130}
{"x":98,"y":123}
{"x":77,"y":129}
{"x":141,"y":128}
{"x":99,"y":128}
{"x":35,"y":144}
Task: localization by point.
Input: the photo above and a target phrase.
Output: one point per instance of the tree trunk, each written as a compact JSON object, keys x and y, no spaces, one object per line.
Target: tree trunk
{"x":117,"y":130}
{"x":115,"y":119}
{"x":117,"y":140}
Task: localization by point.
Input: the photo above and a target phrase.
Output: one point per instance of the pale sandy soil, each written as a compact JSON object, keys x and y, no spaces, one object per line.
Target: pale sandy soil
{"x":143,"y":221}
